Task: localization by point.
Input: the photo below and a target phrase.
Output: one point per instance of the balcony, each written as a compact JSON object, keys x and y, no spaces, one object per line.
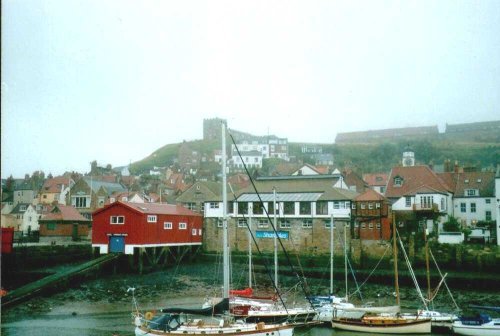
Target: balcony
{"x":426,"y":207}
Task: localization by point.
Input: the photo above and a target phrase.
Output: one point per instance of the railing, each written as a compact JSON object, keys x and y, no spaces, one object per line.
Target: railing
{"x":426,"y":207}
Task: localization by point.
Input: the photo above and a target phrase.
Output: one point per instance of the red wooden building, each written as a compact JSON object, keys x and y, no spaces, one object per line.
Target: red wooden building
{"x":372,"y":216}
{"x":124,"y":227}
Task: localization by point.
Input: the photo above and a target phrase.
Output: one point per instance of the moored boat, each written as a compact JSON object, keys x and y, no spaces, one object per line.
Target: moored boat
{"x":381,"y":324}
{"x":478,"y":325}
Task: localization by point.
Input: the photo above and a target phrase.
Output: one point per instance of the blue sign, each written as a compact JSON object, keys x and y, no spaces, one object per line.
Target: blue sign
{"x":270,"y":234}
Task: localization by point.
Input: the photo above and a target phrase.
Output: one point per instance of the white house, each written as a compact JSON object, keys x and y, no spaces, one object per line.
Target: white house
{"x":474,"y":197}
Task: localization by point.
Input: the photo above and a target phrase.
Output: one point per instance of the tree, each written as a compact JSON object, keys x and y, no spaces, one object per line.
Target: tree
{"x":452,"y":225}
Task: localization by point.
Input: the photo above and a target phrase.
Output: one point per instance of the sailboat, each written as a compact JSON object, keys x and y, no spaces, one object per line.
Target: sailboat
{"x":255,"y":309}
{"x":439,"y":321}
{"x":366,"y":321}
{"x":177,"y":323}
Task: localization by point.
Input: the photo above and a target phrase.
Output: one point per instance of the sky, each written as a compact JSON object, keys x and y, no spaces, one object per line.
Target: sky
{"x":113,"y":81}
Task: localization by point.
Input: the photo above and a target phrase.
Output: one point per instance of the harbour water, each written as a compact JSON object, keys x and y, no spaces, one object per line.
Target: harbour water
{"x":108,"y":324}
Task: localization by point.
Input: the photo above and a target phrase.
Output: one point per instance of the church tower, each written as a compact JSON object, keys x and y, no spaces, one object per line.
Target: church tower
{"x":408,"y":157}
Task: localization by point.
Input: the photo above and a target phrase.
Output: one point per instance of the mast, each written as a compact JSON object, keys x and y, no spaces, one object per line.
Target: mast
{"x":275,"y":241}
{"x":331,"y":255}
{"x":345,"y":262}
{"x":225,"y":242}
{"x":427,"y":264}
{"x":395,"y":254}
{"x":250,"y":249}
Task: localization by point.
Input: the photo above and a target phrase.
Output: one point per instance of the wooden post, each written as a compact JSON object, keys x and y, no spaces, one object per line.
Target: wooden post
{"x":395,"y":254}
{"x":141,"y":250}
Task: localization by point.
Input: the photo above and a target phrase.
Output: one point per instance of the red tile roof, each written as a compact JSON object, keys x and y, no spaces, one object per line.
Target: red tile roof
{"x":370,"y":195}
{"x":414,"y":178}
{"x":482,"y":181}
{"x":153,"y":208}
{"x":376,"y":179}
{"x":53,"y":185}
{"x":64,"y":213}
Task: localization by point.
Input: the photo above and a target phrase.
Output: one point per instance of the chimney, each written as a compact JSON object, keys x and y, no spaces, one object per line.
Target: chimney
{"x":455,"y":169}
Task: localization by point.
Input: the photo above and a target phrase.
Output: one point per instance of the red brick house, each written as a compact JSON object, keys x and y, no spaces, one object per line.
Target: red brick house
{"x":64,"y":223}
{"x":123,"y":226}
{"x":372,"y":216}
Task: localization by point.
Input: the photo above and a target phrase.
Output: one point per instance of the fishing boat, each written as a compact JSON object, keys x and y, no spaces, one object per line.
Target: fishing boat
{"x":478,"y":325}
{"x":167,"y":322}
{"x":382,"y":323}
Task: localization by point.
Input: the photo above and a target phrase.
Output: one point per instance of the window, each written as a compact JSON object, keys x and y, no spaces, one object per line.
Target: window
{"x":370,"y":226}
{"x":182,"y":226}
{"x":305,"y":208}
{"x":289,"y":208}
{"x":378,"y":226}
{"x":322,"y":208}
{"x":167,"y":226}
{"x":398,"y":181}
{"x":336,"y":205}
{"x":117,"y":220}
{"x":473,"y":207}
{"x":190,"y":206}
{"x":81,"y":202}
{"x":356,"y":225}
{"x":353,"y":206}
{"x":466,"y":181}
{"x":199,"y":232}
{"x":243,"y":208}
{"x":100,"y":201}
{"x":242,"y":223}
{"x":382,"y":190}
{"x":258,"y":209}
{"x":488,"y":201}
{"x":479,"y":180}
{"x":470,"y":192}
{"x":193,"y":232}
{"x":328,"y":224}
{"x":363,"y":225}
{"x":22,"y":207}
{"x":370,"y":206}
{"x":488,"y":215}
{"x":220,"y":223}
{"x":463,"y":207}
{"x":214,"y":205}
{"x":262,"y":223}
{"x":408,"y":201}
{"x":151,"y":218}
{"x":426,"y":202}
{"x":51,"y":226}
{"x":124,"y":199}
{"x":442,"y":203}
{"x":270,"y":208}
{"x":377,"y":205}
{"x":285,"y":224}
{"x":363,"y":206}
{"x":307,"y":223}
{"x":230,"y":207}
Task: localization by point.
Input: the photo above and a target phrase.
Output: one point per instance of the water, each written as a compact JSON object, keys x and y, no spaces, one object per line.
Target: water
{"x":108,"y":324}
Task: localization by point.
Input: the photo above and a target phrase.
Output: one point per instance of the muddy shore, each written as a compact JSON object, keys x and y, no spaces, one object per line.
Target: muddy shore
{"x":189,"y":284}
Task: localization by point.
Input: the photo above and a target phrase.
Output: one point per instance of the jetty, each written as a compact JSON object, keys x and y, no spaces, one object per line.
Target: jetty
{"x":34,"y":288}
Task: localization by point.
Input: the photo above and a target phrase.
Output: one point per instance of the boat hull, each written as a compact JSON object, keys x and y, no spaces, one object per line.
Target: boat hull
{"x":279,"y":331}
{"x":406,"y":327}
{"x":488,"y":329}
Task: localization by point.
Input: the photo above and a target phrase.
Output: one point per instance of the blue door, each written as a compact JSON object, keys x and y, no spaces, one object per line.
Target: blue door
{"x":116,"y":244}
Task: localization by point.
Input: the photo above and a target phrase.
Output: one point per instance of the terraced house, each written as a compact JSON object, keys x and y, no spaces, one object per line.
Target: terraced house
{"x":301,"y":206}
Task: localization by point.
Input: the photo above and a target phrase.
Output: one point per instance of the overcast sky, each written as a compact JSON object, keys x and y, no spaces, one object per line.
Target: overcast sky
{"x":115,"y":80}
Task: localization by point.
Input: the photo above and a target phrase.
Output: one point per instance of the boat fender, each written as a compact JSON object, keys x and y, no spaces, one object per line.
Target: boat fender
{"x":148,"y":316}
{"x":137,"y":321}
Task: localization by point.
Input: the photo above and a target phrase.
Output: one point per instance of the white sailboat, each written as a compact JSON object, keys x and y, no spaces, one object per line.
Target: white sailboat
{"x":177,"y":324}
{"x":479,"y":325}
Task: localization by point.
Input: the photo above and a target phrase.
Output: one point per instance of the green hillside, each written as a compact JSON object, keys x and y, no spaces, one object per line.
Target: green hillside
{"x":376,"y":157}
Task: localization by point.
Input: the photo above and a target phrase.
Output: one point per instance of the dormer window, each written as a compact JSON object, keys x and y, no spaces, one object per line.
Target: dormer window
{"x":478,"y":180}
{"x":398,"y":181}
{"x":471,"y":192}
{"x":466,"y":181}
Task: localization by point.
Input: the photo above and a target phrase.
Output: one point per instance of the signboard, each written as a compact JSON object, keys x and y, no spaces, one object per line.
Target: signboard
{"x":270,"y":234}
